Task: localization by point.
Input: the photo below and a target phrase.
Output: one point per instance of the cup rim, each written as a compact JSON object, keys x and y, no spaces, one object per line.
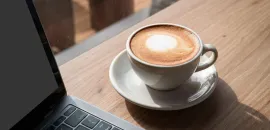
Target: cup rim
{"x":130,"y":53}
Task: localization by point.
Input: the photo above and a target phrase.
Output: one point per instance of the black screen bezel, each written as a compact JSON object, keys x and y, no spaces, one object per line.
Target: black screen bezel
{"x":36,"y":116}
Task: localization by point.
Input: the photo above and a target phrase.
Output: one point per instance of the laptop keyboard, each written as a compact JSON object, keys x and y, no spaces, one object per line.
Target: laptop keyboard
{"x":76,"y":119}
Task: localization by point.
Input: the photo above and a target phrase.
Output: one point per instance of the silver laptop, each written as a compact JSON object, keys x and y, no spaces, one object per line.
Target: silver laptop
{"x":32,"y":94}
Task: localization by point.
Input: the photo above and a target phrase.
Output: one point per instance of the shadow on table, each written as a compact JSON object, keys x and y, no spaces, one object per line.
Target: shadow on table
{"x":220,"y":111}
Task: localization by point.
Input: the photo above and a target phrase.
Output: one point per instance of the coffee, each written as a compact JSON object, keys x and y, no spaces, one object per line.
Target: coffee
{"x":164,"y":45}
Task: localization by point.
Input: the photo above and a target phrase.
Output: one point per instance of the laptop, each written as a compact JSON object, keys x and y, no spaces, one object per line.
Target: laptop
{"x":33,"y":95}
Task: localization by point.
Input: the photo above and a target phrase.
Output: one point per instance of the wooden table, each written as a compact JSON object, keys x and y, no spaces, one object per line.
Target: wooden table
{"x":240,"y":29}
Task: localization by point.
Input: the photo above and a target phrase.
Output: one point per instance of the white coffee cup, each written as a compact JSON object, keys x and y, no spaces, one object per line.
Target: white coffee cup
{"x":163,"y":77}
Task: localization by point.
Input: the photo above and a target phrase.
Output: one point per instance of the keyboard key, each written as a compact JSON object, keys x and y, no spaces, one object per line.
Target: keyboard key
{"x":76,"y":118}
{"x":64,"y":127}
{"x":50,"y":128}
{"x":69,"y":111}
{"x":115,"y":128}
{"x":59,"y":120}
{"x":81,"y":128}
{"x":90,"y":121}
{"x":103,"y":126}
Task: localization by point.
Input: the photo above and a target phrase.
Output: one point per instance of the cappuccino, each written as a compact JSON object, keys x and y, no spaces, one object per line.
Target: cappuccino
{"x":164,"y":45}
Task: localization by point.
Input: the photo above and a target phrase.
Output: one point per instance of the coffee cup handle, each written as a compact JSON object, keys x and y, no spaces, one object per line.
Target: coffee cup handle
{"x":211,"y":60}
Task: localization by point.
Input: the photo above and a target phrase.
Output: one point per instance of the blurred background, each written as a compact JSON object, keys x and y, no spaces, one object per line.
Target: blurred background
{"x":75,"y":26}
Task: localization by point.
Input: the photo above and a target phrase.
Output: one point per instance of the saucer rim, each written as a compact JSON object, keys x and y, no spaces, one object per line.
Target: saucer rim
{"x":148,"y":106}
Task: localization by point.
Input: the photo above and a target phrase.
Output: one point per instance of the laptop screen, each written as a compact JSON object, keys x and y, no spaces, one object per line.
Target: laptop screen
{"x":26,"y":75}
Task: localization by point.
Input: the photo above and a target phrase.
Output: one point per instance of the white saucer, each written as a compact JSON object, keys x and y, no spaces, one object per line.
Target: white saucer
{"x":130,"y":86}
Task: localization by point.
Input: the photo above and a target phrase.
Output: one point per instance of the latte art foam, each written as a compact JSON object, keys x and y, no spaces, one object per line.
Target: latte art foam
{"x":164,"y":45}
{"x":161,"y":43}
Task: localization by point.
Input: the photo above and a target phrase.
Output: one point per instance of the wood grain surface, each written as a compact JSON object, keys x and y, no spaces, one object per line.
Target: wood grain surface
{"x":240,"y":29}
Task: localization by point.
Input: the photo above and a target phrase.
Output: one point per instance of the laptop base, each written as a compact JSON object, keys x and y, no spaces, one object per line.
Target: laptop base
{"x":74,"y":113}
